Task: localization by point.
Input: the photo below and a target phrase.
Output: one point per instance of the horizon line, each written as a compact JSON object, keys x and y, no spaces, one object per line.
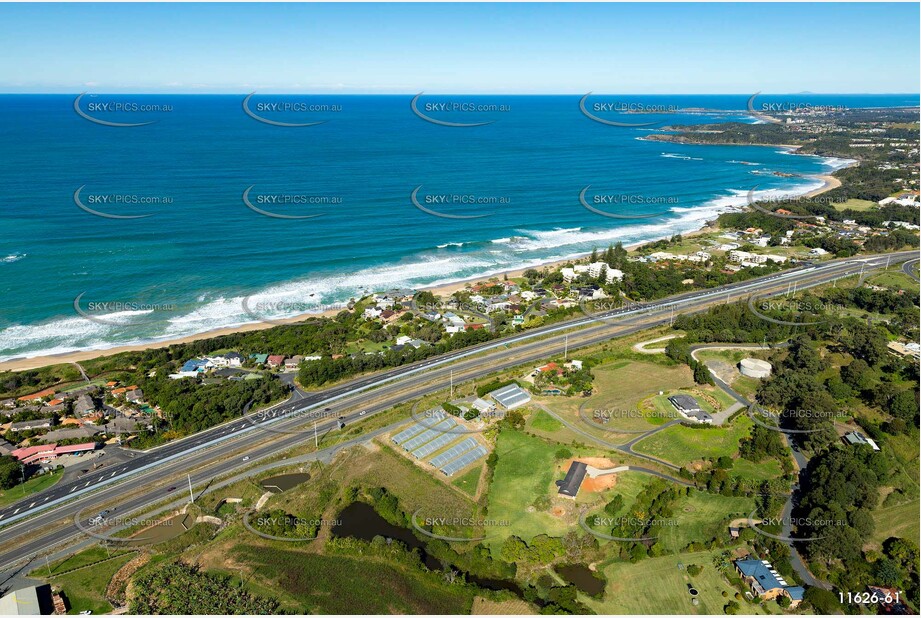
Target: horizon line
{"x":433,"y":93}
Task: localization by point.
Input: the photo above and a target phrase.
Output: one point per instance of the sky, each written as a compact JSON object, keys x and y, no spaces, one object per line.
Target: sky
{"x":646,"y":48}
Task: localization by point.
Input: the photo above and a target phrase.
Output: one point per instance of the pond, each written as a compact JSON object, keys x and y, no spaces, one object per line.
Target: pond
{"x":284,"y":482}
{"x":582,"y":578}
{"x":360,"y":521}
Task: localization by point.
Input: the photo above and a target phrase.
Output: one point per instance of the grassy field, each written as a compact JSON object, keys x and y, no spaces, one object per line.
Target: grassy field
{"x":901,"y":521}
{"x":379,"y":466}
{"x":762,"y":471}
{"x":894,"y":279}
{"x":525,"y":471}
{"x":542,"y":421}
{"x":469,"y":481}
{"x":700,"y":517}
{"x":309,"y":583}
{"x":682,"y":445}
{"x":621,"y":390}
{"x":32,"y":486}
{"x":658,"y":586}
{"x":855,"y":204}
{"x":85,"y":587}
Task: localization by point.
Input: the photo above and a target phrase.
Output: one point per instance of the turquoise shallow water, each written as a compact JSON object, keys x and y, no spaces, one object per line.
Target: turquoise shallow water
{"x":203,"y":259}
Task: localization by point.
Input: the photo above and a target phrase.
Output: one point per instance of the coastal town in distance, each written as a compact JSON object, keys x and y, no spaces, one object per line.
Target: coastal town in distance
{"x":707,"y":421}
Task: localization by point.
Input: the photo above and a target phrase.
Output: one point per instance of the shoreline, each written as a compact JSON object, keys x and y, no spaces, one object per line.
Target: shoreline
{"x":445,"y":289}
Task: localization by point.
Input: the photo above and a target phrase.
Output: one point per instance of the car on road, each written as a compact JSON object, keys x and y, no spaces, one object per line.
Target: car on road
{"x":246,"y":458}
{"x":362,"y":413}
{"x":171,"y":489}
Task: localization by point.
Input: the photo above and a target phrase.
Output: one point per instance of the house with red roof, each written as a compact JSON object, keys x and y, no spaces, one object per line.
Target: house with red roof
{"x":48,"y":392}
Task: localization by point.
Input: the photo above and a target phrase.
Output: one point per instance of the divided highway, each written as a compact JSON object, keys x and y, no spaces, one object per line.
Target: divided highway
{"x":220,"y":450}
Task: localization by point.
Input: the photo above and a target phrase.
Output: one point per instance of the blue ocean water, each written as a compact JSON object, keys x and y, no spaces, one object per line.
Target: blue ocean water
{"x":204,"y":259}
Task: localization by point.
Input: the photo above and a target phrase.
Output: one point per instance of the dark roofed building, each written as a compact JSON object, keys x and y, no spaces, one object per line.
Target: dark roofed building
{"x":570,"y":484}
{"x":688,"y":407}
{"x":38,"y":423}
{"x":684,"y":403}
{"x":71,"y":433}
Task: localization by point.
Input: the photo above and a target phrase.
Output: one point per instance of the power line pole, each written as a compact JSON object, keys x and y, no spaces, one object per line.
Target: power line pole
{"x":191,"y":495}
{"x":316,"y":439}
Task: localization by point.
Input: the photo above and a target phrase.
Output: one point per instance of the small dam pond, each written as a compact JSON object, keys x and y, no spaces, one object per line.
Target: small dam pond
{"x":360,"y":521}
{"x":284,"y":482}
{"x":582,"y":578}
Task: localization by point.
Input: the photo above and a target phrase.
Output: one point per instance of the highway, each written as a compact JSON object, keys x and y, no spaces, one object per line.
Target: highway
{"x":219,"y":451}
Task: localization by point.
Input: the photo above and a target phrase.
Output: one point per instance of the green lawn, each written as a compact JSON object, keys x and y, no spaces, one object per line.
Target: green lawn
{"x":855,"y":204}
{"x":469,"y":481}
{"x":762,"y":471}
{"x":682,"y":445}
{"x":658,"y":586}
{"x":542,"y":421}
{"x":525,"y":471}
{"x":32,"y":486}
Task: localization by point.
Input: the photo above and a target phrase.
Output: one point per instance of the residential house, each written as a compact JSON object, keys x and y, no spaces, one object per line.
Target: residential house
{"x":569,"y":486}
{"x":293,"y":362}
{"x":231,"y":359}
{"x":276,"y":360}
{"x":689,"y":408}
{"x":855,"y":438}
{"x":48,"y":392}
{"x":84,"y":406}
{"x":38,"y":423}
{"x":765,"y":582}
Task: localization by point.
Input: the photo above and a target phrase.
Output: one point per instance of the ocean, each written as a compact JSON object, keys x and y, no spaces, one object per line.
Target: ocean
{"x":329,"y":212}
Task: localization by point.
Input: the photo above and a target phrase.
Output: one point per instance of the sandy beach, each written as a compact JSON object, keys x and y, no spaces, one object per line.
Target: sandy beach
{"x":19,"y":364}
{"x":830,"y":183}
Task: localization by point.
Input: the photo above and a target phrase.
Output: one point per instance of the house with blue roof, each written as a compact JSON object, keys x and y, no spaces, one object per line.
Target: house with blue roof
{"x":197,"y":365}
{"x":765,"y":582}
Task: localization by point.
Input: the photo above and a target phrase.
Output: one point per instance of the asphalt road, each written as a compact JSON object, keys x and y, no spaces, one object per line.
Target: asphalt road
{"x":909,"y":269}
{"x":796,"y":560}
{"x":220,"y":450}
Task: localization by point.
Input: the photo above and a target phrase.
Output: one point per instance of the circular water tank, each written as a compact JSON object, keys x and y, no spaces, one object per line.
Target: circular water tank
{"x":754,"y":368}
